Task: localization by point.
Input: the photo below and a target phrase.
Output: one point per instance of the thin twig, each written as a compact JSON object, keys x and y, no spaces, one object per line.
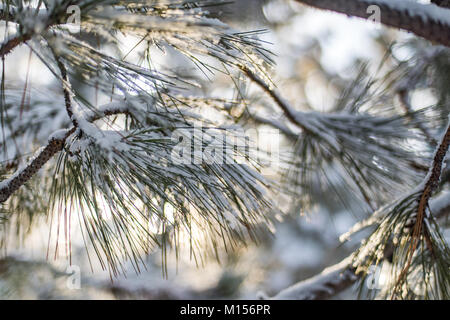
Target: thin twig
{"x":296,"y":117}
{"x":285,"y":107}
{"x":65,"y":87}
{"x":12,"y":15}
{"x":431,"y":184}
{"x":12,"y":43}
{"x":442,"y":3}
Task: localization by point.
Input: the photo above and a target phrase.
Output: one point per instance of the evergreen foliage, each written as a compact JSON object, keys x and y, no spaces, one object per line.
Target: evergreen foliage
{"x":111,"y":168}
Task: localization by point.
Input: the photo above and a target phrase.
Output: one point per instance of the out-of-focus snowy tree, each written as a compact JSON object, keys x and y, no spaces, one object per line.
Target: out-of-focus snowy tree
{"x":88,"y":147}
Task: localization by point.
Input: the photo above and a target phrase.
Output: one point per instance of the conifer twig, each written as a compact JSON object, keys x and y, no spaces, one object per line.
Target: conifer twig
{"x":12,"y":43}
{"x":296,"y":117}
{"x":430,"y":186}
{"x":339,"y":277}
{"x":65,"y":87}
{"x":12,"y":15}
{"x":285,"y":107}
{"x":11,"y":185}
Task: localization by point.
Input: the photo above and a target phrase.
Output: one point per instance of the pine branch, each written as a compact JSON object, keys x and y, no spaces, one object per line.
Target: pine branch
{"x":22,"y":176}
{"x":420,"y":256}
{"x":325,"y":285}
{"x":66,"y":88}
{"x":430,"y":186}
{"x":9,"y":44}
{"x":55,"y":144}
{"x":405,"y":102}
{"x":12,"y":43}
{"x":344,"y":138}
{"x":47,"y":19}
{"x":339,"y":277}
{"x":427,"y":21}
{"x":442,"y":3}
{"x":283,"y":104}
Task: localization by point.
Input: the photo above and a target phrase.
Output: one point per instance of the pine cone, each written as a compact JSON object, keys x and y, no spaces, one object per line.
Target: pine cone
{"x":442,"y":3}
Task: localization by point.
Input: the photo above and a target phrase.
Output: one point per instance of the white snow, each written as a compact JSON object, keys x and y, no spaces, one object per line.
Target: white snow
{"x":323,"y":282}
{"x":415,"y":9}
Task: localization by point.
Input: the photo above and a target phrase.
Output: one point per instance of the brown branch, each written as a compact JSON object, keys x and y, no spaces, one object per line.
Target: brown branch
{"x":341,"y":276}
{"x":22,"y":176}
{"x":285,"y":107}
{"x":401,"y":16}
{"x":436,"y":168}
{"x":12,"y":43}
{"x":430,"y":186}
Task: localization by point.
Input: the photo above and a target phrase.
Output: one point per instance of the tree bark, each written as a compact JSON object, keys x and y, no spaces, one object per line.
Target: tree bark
{"x":426,"y":21}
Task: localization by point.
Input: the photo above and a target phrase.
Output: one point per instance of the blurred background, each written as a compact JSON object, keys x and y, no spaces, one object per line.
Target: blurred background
{"x":316,"y":55}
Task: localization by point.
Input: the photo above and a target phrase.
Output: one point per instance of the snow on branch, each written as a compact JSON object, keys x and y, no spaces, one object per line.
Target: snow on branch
{"x":11,"y":14}
{"x":431,"y":184}
{"x":55,"y":144}
{"x":425,"y":20}
{"x":8,"y":45}
{"x":330,"y":282}
{"x":31,"y":21}
{"x":339,"y":277}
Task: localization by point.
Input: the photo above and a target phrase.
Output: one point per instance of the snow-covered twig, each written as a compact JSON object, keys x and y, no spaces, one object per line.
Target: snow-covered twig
{"x":55,"y":144}
{"x":287,"y":109}
{"x":18,"y":179}
{"x":31,"y":20}
{"x":66,"y":88}
{"x":8,"y":45}
{"x":431,"y":183}
{"x":405,"y":102}
{"x":425,"y":20}
{"x":332,"y":129}
{"x":10,"y":14}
